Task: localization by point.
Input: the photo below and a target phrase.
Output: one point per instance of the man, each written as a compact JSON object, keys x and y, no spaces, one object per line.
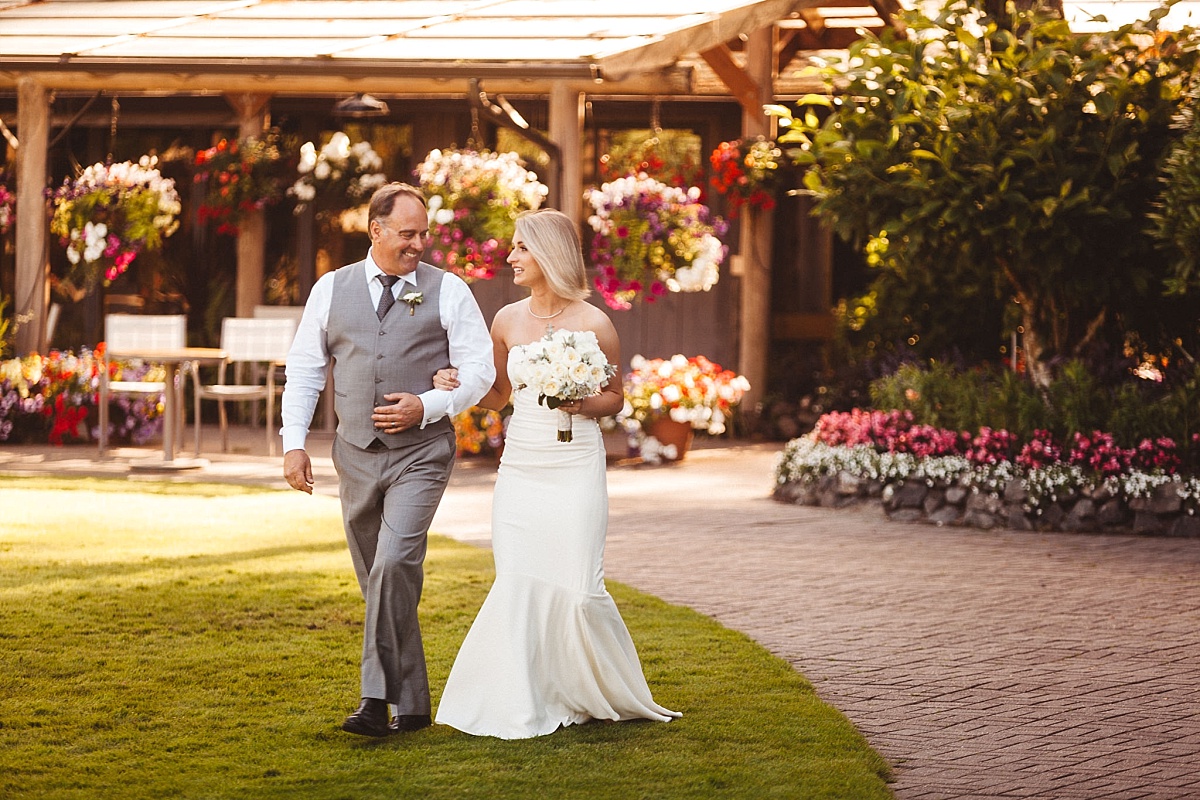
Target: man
{"x":387,"y":324}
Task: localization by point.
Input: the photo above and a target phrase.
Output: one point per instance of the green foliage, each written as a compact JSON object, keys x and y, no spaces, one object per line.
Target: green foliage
{"x":945,"y":397}
{"x":167,"y":653}
{"x":1017,"y":164}
{"x":1076,"y":401}
{"x":1176,"y":223}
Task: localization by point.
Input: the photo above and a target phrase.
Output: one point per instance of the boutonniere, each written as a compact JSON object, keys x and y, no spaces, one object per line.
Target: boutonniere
{"x":413,"y":299}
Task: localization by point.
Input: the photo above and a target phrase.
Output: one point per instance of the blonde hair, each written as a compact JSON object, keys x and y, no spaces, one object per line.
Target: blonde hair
{"x":553,"y":239}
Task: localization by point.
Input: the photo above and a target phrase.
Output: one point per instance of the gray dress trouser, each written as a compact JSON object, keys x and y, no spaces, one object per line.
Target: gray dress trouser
{"x":388,"y":499}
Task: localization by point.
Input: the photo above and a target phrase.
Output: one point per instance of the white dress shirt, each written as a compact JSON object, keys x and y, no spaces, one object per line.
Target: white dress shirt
{"x":308,"y":359}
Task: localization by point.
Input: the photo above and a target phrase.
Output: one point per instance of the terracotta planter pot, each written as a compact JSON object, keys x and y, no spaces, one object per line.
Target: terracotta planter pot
{"x":668,"y":431}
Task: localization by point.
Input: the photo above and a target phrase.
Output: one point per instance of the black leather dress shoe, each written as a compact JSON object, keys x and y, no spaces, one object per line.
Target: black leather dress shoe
{"x":406,"y":723}
{"x":371,"y":718}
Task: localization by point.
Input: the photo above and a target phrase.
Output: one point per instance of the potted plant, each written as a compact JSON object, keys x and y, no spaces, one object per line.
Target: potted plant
{"x":474,"y":198}
{"x":111,"y":213}
{"x":239,"y":177}
{"x":671,"y":398}
{"x":650,"y":238}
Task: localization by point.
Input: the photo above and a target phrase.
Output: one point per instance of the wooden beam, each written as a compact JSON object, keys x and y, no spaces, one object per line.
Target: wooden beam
{"x":250,"y":109}
{"x":566,"y":121}
{"x":33,"y":267}
{"x":889,"y":11}
{"x":754,"y":342}
{"x":253,"y":119}
{"x":790,"y":44}
{"x":803,"y":327}
{"x":741,"y":85}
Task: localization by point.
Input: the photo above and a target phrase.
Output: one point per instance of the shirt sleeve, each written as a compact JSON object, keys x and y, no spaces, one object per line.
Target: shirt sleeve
{"x":307,"y":366}
{"x":470,"y":352}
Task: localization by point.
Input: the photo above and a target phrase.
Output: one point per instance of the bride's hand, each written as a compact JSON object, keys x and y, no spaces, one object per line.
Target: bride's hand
{"x":446,"y":379}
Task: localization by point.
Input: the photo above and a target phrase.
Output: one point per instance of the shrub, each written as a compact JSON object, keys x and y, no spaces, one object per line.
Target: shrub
{"x":1077,"y":402}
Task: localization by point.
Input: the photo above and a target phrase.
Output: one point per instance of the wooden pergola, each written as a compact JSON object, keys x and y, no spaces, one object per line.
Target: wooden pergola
{"x":249,"y":51}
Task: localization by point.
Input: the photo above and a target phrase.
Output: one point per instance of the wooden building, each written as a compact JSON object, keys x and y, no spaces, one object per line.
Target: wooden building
{"x":563,"y":72}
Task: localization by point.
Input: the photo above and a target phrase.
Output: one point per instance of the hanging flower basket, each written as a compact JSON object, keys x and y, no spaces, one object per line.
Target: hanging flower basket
{"x":474,"y":198}
{"x":746,"y":172}
{"x":8,"y":205}
{"x":651,"y":238}
{"x":337,"y":176}
{"x":110,"y":214}
{"x":240,"y":177}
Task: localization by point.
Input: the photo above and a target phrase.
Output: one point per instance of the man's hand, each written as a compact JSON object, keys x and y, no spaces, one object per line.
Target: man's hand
{"x":406,"y":413}
{"x":297,"y":468}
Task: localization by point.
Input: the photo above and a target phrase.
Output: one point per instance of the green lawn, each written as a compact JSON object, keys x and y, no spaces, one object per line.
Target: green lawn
{"x":187,"y":641}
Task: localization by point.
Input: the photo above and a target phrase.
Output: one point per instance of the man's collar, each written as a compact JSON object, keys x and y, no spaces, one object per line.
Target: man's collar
{"x":374,"y":271}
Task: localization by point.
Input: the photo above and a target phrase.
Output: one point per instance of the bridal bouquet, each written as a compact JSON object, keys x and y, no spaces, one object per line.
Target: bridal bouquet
{"x":563,"y":366}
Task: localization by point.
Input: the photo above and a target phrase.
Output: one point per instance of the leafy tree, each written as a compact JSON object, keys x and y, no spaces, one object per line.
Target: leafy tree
{"x":1176,"y":223}
{"x":1019,"y":158}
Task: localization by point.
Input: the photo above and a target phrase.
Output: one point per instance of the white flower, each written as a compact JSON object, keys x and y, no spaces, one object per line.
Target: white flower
{"x":443,"y":216}
{"x":308,"y":158}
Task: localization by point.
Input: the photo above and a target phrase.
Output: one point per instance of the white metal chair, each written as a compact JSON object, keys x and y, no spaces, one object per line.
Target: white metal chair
{"x":124,"y":333}
{"x":246,"y":341}
{"x":328,"y":420}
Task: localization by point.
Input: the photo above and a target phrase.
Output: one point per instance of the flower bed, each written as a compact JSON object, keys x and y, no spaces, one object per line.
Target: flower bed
{"x":989,"y":479}
{"x":478,"y":431}
{"x":53,"y":398}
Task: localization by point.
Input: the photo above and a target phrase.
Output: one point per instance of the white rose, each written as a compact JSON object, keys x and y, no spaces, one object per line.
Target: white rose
{"x":581,"y":373}
{"x":443,"y":216}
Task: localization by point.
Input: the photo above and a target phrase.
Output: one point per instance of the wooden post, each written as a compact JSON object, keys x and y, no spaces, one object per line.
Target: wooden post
{"x":566,"y":130}
{"x":252,"y":234}
{"x":32,"y":266}
{"x":757,"y":230}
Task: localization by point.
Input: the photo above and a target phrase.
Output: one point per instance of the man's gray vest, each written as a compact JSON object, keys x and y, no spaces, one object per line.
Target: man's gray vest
{"x":373,"y":358}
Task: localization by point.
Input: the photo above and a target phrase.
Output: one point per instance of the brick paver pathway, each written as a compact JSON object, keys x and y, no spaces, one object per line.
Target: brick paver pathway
{"x":979,"y":664}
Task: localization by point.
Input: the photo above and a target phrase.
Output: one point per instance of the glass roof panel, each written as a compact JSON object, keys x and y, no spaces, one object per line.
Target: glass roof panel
{"x":548,"y":28}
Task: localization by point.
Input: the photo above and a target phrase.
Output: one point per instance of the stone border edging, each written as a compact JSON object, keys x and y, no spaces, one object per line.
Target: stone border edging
{"x":1096,"y":511}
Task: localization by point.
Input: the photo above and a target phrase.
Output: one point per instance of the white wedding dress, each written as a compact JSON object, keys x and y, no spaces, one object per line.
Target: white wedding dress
{"x":549,"y":647}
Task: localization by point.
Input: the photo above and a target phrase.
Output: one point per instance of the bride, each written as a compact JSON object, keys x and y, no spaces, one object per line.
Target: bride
{"x":549,"y":647}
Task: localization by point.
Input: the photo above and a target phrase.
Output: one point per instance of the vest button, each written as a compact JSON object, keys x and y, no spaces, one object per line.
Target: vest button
{"x":380,"y":355}
{"x":379,"y":380}
{"x":383,"y":333}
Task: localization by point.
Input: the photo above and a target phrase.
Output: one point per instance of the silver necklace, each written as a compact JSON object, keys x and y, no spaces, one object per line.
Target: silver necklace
{"x":529,"y":308}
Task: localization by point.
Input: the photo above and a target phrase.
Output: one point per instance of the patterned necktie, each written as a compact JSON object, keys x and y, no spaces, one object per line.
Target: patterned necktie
{"x":387,"y":299}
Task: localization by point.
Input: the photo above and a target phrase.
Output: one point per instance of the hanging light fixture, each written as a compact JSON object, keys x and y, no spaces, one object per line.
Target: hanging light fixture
{"x":360,"y":105}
